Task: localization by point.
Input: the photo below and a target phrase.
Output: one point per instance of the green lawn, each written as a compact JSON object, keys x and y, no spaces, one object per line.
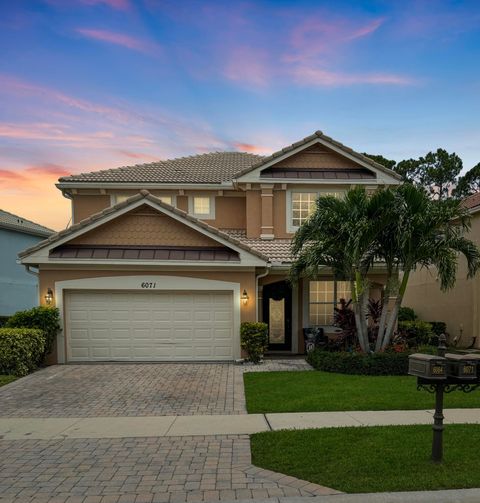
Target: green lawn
{"x":374,"y":459}
{"x":321,"y":391}
{"x":5,"y":379}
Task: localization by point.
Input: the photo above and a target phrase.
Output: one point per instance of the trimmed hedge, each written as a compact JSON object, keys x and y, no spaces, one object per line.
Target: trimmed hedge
{"x":359,"y":363}
{"x":254,"y":339}
{"x":46,"y":319}
{"x":21,"y":350}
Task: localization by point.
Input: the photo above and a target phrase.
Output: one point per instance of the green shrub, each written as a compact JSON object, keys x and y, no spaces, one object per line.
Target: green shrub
{"x":45,"y":319}
{"x":20,"y":350}
{"x":3,"y":320}
{"x":406,"y":314}
{"x":254,"y":339}
{"x":416,"y":332}
{"x":389,"y":363}
{"x":438,"y":327}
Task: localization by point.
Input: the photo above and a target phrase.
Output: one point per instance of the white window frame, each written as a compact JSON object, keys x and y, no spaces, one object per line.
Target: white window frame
{"x":320,"y":192}
{"x":202,"y":216}
{"x":113,"y":197}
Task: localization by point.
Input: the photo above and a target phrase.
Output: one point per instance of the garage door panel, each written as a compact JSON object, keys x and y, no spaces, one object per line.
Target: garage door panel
{"x":146,"y":326}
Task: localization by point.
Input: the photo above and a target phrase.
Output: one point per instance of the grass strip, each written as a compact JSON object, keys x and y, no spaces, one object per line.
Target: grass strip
{"x":308,"y":391}
{"x":372,"y":459}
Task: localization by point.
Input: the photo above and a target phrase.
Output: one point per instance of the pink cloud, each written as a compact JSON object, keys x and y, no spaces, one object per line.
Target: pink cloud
{"x":42,"y":131}
{"x":324,"y":36}
{"x":309,"y":76}
{"x":121,"y":39}
{"x":50,"y":170}
{"x":114,"y":4}
{"x":138,"y":155}
{"x":248,"y":65}
{"x":253,"y":149}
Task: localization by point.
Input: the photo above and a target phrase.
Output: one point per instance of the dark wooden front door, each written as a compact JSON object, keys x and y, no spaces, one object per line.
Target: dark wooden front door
{"x":277,"y":312}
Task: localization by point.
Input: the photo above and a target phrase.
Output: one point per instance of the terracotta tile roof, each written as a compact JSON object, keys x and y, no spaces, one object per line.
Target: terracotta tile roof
{"x":472,"y":201}
{"x":14,"y":222}
{"x":328,"y":139}
{"x":145,"y":253}
{"x":277,"y":250}
{"x":143,"y":194}
{"x":216,"y":167}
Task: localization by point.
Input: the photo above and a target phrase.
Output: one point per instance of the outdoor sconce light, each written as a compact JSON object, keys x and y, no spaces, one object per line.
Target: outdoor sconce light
{"x":49,"y":296}
{"x":244,"y":297}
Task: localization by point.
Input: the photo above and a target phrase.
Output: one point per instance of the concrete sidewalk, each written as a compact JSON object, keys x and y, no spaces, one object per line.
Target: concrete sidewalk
{"x":178,"y":426}
{"x":448,"y":496}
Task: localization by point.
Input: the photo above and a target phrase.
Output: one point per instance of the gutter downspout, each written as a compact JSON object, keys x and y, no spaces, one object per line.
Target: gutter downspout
{"x":257,"y":277}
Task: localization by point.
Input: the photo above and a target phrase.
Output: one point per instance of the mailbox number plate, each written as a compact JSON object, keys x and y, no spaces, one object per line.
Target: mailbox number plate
{"x":438,"y":370}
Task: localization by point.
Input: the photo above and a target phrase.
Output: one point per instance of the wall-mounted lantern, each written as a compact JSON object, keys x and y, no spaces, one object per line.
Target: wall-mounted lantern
{"x":49,"y":297}
{"x":244,"y":297}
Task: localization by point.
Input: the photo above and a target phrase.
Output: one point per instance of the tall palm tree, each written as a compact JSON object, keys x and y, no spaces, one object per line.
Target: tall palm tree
{"x":341,"y":236}
{"x":402,"y":228}
{"x":422,"y":233}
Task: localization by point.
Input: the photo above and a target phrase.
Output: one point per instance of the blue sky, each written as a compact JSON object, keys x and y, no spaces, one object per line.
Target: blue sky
{"x":94,"y":84}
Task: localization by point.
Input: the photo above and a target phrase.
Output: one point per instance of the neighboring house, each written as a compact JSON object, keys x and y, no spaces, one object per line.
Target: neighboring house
{"x":165,"y":260}
{"x":459,"y":307}
{"x":18,"y":288}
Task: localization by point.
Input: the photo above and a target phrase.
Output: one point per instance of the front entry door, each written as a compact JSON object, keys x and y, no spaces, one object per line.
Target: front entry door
{"x":277,"y":312}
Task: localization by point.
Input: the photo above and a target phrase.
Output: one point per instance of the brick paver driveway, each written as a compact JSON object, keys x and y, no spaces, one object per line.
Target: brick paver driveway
{"x":135,"y":470}
{"x":126,"y":390}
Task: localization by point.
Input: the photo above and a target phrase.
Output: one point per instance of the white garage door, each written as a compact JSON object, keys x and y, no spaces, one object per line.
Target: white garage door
{"x":149,"y":326}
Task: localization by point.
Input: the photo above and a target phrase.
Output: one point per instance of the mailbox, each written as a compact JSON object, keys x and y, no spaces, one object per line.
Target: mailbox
{"x":427,"y":366}
{"x":463,"y":366}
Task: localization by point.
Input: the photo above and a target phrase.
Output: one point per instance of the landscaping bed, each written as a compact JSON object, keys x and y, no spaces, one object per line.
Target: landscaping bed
{"x":372,"y":459}
{"x":321,"y":391}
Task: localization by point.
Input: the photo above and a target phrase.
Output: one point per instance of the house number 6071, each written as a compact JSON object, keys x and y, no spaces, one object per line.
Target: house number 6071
{"x":146,"y":284}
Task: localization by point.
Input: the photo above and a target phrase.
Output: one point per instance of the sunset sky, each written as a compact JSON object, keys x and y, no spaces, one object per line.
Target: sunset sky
{"x":95,"y":84}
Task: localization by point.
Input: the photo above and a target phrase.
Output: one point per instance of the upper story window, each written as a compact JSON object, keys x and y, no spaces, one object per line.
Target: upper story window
{"x":202,"y":206}
{"x":302,"y":205}
{"x":324,"y":296}
{"x":165,"y":198}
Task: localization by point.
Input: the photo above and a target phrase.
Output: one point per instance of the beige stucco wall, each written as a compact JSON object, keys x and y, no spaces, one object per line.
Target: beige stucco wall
{"x":246,"y":279}
{"x":254,"y":213}
{"x":279,"y":214}
{"x":458,"y":307}
{"x":144,"y":226}
{"x":85,"y":205}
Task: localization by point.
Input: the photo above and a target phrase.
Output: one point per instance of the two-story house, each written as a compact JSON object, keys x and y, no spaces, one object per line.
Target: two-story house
{"x":165,"y":260}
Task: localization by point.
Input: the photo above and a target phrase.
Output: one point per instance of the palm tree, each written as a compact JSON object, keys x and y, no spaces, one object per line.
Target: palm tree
{"x":341,"y":236}
{"x":422,"y":233}
{"x":402,"y":228}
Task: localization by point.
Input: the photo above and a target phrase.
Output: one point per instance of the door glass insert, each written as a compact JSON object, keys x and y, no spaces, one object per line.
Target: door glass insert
{"x":277,"y":321}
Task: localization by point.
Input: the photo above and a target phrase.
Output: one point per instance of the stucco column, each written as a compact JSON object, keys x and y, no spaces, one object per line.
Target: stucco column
{"x":266,"y":230}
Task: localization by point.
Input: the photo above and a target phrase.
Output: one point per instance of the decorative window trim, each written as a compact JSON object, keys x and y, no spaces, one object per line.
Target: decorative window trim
{"x":202,"y":216}
{"x":289,"y":207}
{"x":113,"y":197}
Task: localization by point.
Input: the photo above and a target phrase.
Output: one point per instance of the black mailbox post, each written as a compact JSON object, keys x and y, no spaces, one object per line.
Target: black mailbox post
{"x":444,"y":373}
